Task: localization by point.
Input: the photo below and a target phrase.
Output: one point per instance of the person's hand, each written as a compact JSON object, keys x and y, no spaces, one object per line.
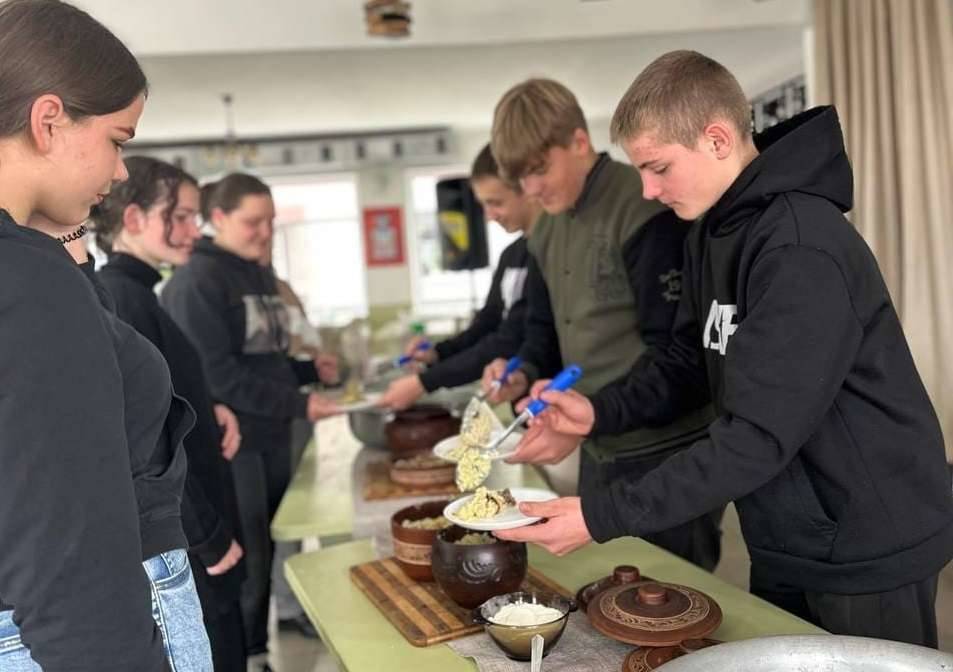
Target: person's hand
{"x":321,"y":407}
{"x":562,"y":530}
{"x":514,"y":388}
{"x":229,"y":560}
{"x":231,"y":437}
{"x":542,"y":445}
{"x":328,"y":369}
{"x":568,"y":413}
{"x":402,"y":393}
{"x":428,"y":356}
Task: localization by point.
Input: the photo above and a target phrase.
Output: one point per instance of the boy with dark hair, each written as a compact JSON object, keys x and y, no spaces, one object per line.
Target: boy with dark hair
{"x":497,"y":329}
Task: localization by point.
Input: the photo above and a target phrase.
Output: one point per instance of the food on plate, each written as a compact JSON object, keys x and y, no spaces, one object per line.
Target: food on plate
{"x":434,"y":523}
{"x":352,"y":393}
{"x":485,"y":504}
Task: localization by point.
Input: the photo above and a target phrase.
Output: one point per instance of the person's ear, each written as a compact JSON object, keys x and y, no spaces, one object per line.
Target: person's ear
{"x":133,"y":219}
{"x":581,"y":142}
{"x":720,"y":139}
{"x":47,"y":118}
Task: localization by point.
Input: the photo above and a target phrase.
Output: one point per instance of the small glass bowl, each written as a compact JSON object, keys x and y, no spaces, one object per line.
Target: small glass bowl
{"x":516,"y":640}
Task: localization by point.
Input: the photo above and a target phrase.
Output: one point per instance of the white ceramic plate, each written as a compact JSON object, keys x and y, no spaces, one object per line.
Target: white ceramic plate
{"x":505,"y":449}
{"x":369,"y":401}
{"x":508,"y":519}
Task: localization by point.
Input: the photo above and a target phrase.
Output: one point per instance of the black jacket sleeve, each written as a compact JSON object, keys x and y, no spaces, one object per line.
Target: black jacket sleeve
{"x":484,"y":322}
{"x":540,"y":350}
{"x":787,"y":361}
{"x":468,"y":365}
{"x":200,"y":312}
{"x":71,"y":559}
{"x":305,"y":371}
{"x":653,"y":258}
{"x":209,"y":536}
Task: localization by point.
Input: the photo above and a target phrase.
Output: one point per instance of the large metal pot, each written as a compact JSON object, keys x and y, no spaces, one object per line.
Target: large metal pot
{"x":368,"y":426}
{"x":817,"y":653}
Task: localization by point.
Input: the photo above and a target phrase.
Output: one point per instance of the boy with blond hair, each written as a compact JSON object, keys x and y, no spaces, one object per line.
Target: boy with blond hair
{"x":825,"y":437}
{"x":602,"y":287}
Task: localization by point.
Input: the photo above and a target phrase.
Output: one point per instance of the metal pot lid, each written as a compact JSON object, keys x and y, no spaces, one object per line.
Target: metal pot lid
{"x":830,"y":653}
{"x":650,"y":613}
{"x":647,"y":658}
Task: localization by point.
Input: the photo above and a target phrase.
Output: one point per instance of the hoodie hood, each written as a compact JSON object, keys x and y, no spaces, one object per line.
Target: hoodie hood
{"x":804,"y":154}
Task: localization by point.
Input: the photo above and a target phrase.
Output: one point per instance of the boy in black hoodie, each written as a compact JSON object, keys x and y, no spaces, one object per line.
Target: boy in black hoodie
{"x":825,"y":438}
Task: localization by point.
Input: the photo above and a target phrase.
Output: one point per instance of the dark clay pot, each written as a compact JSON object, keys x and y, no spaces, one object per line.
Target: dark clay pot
{"x":470,"y":575}
{"x":419,"y":429}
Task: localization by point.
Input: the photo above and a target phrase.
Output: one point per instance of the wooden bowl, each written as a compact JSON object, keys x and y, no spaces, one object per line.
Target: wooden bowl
{"x":413,"y":547}
{"x":422,"y":471}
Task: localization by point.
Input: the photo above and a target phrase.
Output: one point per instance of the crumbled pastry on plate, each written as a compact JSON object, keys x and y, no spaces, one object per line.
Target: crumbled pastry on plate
{"x":485,"y":504}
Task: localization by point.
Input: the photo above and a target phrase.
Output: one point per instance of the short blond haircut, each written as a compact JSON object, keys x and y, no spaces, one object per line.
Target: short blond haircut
{"x":530,"y":119}
{"x":677,"y":96}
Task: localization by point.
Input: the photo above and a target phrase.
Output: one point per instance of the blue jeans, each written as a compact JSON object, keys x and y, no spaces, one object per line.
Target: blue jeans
{"x":175,"y":608}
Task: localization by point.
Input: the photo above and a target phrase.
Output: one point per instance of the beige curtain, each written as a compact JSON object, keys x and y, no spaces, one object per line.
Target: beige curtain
{"x":888,"y":67}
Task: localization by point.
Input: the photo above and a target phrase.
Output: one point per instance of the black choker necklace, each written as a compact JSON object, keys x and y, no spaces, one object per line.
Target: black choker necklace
{"x":76,"y":235}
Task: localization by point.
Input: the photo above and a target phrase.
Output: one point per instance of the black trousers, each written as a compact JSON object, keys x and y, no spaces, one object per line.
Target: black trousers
{"x":261,"y":473}
{"x":227,"y":638}
{"x":698,"y":541}
{"x":906,"y":614}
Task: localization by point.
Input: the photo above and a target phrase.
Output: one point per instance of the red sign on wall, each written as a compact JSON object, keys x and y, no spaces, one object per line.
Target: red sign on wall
{"x":383,"y":236}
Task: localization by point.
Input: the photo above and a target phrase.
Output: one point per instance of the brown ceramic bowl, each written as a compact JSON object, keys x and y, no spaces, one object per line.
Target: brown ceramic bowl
{"x":472,"y":574}
{"x":419,"y":429}
{"x":516,"y":640}
{"x":412,"y":547}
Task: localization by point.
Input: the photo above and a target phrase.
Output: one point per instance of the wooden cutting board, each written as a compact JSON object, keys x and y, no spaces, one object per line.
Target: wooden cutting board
{"x":377,"y":485}
{"x":421,"y":611}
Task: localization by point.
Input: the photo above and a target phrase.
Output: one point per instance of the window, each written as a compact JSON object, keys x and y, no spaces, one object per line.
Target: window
{"x":437,"y":292}
{"x":318,"y":247}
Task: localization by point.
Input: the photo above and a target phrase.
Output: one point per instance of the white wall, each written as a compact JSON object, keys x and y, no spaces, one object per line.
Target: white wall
{"x":325,"y":91}
{"x":379,"y":187}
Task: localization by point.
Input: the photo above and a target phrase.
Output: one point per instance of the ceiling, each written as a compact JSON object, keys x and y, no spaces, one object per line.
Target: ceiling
{"x":175,"y":27}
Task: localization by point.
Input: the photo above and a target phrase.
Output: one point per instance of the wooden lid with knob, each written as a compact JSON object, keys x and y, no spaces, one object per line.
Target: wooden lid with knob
{"x":651,"y":613}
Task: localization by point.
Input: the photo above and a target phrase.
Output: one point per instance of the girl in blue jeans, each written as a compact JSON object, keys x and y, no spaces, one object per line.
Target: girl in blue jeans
{"x":92,"y":570}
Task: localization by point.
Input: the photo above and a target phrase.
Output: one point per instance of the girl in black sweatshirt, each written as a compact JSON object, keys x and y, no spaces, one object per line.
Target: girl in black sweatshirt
{"x":229,"y":307}
{"x":145,"y":222}
{"x":91,"y":465}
